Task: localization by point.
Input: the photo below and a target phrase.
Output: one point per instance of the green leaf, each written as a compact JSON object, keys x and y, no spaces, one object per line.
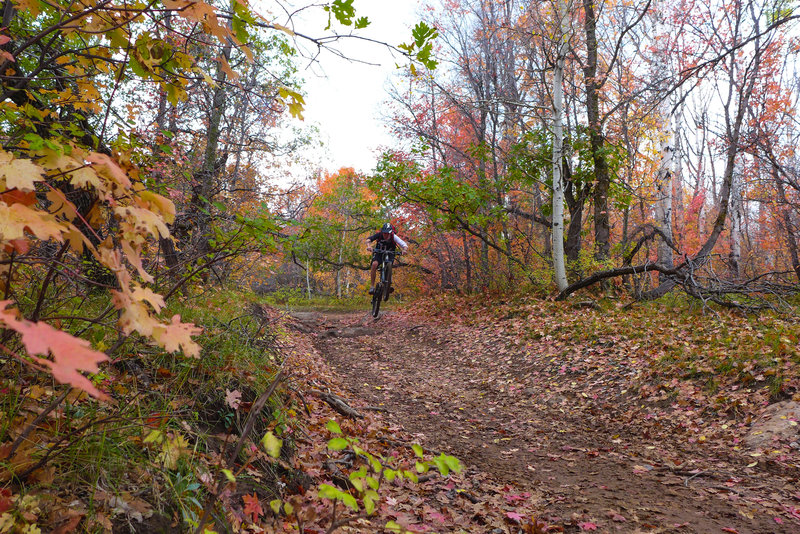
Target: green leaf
{"x":441,"y":465}
{"x":453,"y":463}
{"x":240,"y":29}
{"x":326,"y":491}
{"x":417,"y":449}
{"x":137,"y":67}
{"x":349,"y":501}
{"x":333,"y":426}
{"x":154,"y":437}
{"x":337,"y":444}
{"x":392,"y":526}
{"x":275,"y":504}
{"x":369,"y":504}
{"x":35,"y":141}
{"x":375,"y":465}
{"x":272,"y":444}
{"x":344,"y":11}
{"x":229,"y":475}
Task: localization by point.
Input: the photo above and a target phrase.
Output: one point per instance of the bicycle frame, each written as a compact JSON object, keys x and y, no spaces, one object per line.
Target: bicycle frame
{"x":383,"y":288}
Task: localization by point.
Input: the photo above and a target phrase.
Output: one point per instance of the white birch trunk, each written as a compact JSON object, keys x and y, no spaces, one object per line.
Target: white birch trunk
{"x":737,"y":216}
{"x":663,"y":208}
{"x":559,"y":268}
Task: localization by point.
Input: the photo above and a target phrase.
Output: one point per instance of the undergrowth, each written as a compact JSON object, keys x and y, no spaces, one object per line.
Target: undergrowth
{"x":149,"y":456}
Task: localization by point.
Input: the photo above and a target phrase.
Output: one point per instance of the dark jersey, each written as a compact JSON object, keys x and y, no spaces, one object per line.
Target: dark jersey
{"x":380,"y":242}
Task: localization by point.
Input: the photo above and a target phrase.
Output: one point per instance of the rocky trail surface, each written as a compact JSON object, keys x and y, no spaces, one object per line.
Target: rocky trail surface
{"x":563,"y":437}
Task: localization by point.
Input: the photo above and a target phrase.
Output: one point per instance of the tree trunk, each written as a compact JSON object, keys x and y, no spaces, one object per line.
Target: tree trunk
{"x":204,"y":189}
{"x":467,"y":265}
{"x":664,"y":199}
{"x":576,"y":200}
{"x":789,"y":227}
{"x":559,"y":267}
{"x":308,"y":279}
{"x":602,"y":226}
{"x":737,"y":213}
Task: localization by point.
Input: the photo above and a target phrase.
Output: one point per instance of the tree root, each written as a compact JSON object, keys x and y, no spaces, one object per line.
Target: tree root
{"x":338,"y":404}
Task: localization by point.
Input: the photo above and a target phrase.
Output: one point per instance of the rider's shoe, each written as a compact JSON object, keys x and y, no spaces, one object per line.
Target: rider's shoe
{"x":372,"y":291}
{"x":391,"y":290}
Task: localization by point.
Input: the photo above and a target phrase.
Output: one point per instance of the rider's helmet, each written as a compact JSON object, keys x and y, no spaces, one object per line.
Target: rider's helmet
{"x":386,"y":231}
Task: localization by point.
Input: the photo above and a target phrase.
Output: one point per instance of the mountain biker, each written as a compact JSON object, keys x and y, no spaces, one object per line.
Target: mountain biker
{"x":385,"y":239}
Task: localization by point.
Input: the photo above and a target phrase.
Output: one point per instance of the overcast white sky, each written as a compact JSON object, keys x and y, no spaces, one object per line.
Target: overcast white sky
{"x":344,"y":98}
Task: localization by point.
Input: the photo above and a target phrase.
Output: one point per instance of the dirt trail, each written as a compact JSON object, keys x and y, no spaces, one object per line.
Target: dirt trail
{"x":585,"y":468}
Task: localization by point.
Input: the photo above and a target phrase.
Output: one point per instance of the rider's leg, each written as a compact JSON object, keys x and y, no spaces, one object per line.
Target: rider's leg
{"x":373,"y":270}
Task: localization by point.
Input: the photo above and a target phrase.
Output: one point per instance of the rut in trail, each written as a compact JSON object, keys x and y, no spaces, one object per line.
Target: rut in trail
{"x":478,"y":397}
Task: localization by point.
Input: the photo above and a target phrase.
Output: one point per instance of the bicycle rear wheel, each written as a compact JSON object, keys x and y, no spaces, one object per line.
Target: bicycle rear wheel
{"x":376,"y":300}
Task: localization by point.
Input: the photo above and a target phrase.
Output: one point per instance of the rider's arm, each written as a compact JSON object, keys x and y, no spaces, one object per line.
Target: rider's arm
{"x":400,"y":242}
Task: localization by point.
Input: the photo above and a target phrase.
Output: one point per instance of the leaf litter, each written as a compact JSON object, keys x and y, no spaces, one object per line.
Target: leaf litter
{"x":618,"y":421}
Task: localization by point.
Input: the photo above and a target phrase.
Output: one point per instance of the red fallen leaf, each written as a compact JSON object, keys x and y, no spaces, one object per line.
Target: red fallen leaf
{"x":520,"y":497}
{"x":4,"y":39}
{"x":778,"y":520}
{"x":252,"y":506}
{"x":731,"y":530}
{"x":156,"y":419}
{"x":515,"y":516}
{"x":587,"y":525}
{"x":5,"y":500}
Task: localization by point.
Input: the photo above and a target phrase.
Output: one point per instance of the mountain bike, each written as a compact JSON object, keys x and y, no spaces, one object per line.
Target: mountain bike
{"x":384,"y":285}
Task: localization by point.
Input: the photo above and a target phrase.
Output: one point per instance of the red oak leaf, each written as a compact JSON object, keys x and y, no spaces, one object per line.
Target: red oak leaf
{"x":252,"y":506}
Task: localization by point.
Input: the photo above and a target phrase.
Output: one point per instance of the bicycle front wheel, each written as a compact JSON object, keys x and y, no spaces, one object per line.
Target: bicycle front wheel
{"x":376,"y":300}
{"x":387,"y":284}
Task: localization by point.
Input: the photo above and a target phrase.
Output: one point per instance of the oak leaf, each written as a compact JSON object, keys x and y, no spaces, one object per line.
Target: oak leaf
{"x":252,"y":506}
{"x":233,"y":398}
